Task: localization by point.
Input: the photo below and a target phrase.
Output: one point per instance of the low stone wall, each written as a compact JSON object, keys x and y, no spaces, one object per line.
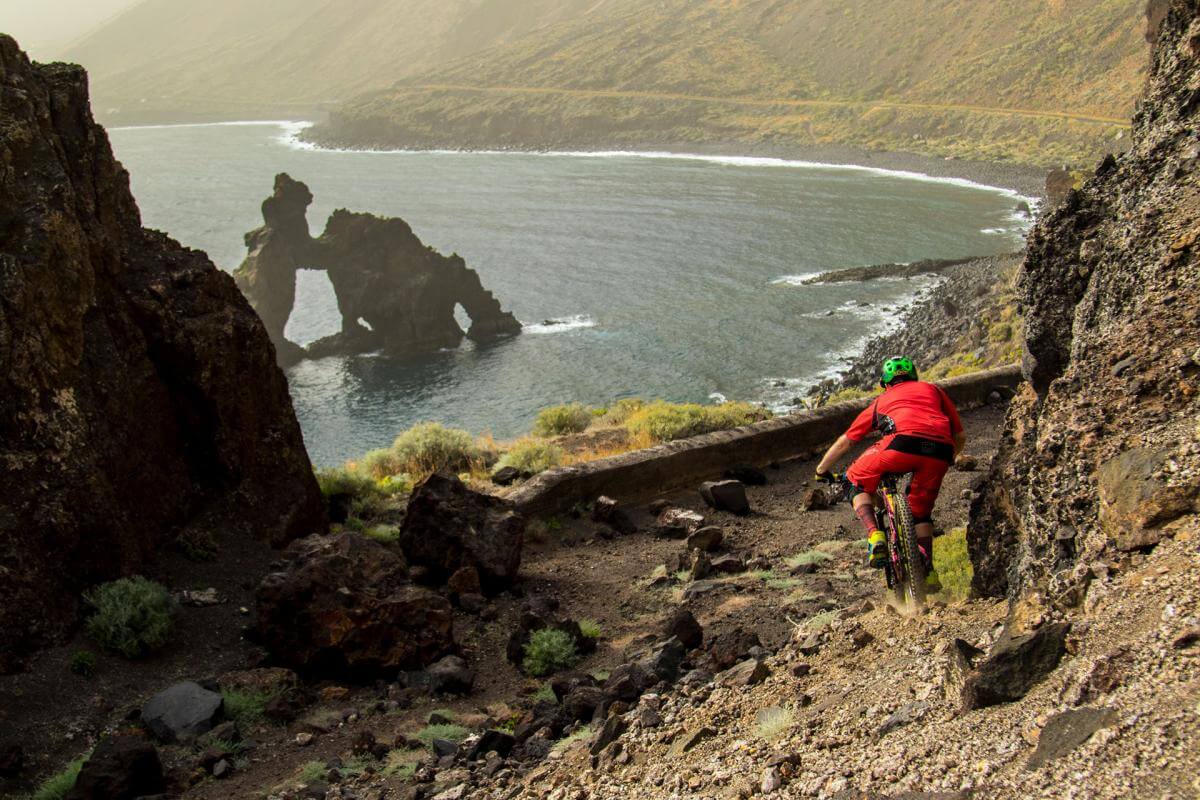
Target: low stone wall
{"x":645,"y":474}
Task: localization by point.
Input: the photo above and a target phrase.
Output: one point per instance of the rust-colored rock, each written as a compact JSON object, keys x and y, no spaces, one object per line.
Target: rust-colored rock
{"x":1111,"y":293}
{"x":343,"y":607}
{"x":139,"y":394}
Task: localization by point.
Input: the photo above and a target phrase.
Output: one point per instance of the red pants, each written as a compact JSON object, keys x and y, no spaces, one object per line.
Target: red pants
{"x":878,"y":461}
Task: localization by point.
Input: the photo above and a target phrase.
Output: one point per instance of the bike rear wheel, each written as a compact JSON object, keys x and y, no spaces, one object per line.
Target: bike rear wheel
{"x":909,"y":587}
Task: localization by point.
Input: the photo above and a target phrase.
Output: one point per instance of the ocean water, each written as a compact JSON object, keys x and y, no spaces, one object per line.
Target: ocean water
{"x":676,"y":277}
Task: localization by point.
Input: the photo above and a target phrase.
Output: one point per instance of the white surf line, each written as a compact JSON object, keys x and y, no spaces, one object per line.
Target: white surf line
{"x":293,"y":129}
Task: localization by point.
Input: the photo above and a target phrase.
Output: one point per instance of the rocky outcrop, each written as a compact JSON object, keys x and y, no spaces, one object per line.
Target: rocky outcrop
{"x":393,"y":292}
{"x":1110,"y":289}
{"x":343,"y":606}
{"x":139,"y":393}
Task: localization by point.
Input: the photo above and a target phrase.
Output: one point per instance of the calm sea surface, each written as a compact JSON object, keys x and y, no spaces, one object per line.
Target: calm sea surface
{"x":677,"y":276}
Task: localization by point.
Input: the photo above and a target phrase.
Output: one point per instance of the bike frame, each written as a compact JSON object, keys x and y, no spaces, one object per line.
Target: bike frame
{"x":887,"y":492}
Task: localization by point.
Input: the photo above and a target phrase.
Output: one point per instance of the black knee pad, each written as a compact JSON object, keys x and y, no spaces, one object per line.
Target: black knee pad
{"x":923,"y":520}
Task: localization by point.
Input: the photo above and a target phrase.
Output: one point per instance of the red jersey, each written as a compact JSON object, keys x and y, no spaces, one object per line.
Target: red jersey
{"x":911,"y":408}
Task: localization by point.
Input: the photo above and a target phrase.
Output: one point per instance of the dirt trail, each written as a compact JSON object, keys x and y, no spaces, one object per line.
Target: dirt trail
{"x":760,"y":102}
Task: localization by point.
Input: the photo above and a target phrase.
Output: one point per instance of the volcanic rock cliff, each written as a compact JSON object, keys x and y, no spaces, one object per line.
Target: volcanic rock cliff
{"x":1102,"y":450}
{"x":393,"y":292}
{"x":139,"y":395}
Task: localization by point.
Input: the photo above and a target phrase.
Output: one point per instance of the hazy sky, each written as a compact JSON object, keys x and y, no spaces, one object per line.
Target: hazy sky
{"x":44,"y":27}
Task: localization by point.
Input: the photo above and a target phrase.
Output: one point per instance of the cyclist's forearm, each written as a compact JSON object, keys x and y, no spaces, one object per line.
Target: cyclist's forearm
{"x":960,"y":442}
{"x":834,"y":454}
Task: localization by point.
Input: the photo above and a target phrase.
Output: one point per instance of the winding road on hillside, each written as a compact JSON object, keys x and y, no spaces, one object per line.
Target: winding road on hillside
{"x":1089,"y":119}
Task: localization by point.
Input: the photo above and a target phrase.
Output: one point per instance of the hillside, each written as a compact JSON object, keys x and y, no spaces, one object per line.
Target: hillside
{"x":1031,"y":81}
{"x":172,"y":59}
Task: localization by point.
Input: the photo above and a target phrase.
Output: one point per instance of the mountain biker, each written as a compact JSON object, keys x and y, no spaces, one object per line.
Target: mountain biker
{"x":921,"y":433}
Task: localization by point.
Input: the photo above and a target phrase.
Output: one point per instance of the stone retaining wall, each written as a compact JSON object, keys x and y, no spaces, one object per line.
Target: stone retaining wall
{"x":645,"y":474}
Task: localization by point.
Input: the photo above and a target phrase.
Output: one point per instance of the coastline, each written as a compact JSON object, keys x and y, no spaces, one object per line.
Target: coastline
{"x":1027,"y":180}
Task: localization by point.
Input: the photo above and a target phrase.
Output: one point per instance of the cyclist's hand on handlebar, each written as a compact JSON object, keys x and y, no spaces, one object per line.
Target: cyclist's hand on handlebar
{"x":827,"y":477}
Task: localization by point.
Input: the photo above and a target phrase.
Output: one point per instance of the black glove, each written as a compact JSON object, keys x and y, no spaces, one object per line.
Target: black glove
{"x":826,"y":477}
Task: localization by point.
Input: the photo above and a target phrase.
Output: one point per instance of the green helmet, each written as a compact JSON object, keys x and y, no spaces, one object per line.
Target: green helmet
{"x":897,"y":367}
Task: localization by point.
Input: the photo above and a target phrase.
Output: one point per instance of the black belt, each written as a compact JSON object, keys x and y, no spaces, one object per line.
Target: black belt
{"x":919,"y":446}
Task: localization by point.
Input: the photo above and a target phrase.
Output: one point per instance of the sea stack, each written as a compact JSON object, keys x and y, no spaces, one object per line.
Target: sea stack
{"x":394,"y":293}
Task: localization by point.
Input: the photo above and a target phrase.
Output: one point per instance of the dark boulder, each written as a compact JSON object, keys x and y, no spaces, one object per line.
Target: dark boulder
{"x":748,"y":673}
{"x":182,"y":712}
{"x":707,"y":539}
{"x":628,"y":682}
{"x":665,"y":660}
{"x":490,"y":741}
{"x":120,"y":768}
{"x":678,"y":523}
{"x":1067,"y":730}
{"x":12,"y":761}
{"x":139,"y":394}
{"x":507,"y":476}
{"x":343,"y":606}
{"x":1014,"y":665}
{"x":726,"y":496}
{"x":609,"y":512}
{"x":451,"y":675}
{"x":683,"y":626}
{"x":448,"y":527}
{"x":728,"y":648}
{"x":580,"y":703}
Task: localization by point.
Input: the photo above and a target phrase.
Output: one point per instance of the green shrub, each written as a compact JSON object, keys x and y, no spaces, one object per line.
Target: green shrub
{"x":133,"y":616}
{"x":449,"y":732}
{"x":429,"y":447}
{"x":579,"y":734}
{"x":57,"y":785}
{"x":385,"y":534}
{"x":564,"y":419}
{"x":846,"y":395}
{"x":312,"y":771}
{"x":401,"y":764}
{"x":666,"y":422}
{"x":953,"y":564}
{"x":245,"y":706}
{"x":809,"y":557}
{"x":338,"y":480}
{"x":197,"y":545}
{"x":549,"y":650}
{"x":531,"y":456}
{"x":545,"y":694}
{"x":622,"y":410}
{"x":83,"y":663}
{"x":590,"y":628}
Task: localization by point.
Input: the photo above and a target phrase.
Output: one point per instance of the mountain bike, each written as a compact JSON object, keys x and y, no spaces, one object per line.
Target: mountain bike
{"x":905,"y":567}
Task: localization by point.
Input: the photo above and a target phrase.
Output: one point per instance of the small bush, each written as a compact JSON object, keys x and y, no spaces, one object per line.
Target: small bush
{"x":57,"y":785}
{"x":429,"y":447}
{"x":666,"y":422}
{"x":244,"y":706}
{"x":385,"y":534}
{"x":590,"y":628}
{"x":622,"y":410}
{"x":549,"y":650}
{"x":133,"y":616}
{"x":531,"y":456}
{"x":545,"y":694}
{"x":312,"y":771}
{"x":953,"y":564}
{"x":846,"y":395}
{"x":83,"y":663}
{"x":774,"y":722}
{"x":564,"y":419}
{"x":810,"y":557}
{"x":198,"y":545}
{"x":451,"y":732}
{"x":337,"y":481}
{"x":401,"y":764}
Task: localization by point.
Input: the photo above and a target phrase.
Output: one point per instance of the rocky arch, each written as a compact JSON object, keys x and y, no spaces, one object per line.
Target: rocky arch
{"x":382,"y":275}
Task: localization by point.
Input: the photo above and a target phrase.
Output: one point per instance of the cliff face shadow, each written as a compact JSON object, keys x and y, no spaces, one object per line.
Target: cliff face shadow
{"x":394,"y":294}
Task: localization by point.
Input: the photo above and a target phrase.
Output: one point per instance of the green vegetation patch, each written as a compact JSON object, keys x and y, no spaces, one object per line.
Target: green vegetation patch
{"x":549,"y":650}
{"x":83,"y":663}
{"x":953,"y":564}
{"x":448,"y":731}
{"x":590,"y":628}
{"x":665,"y":422}
{"x":131,"y":616}
{"x":311,"y":771}
{"x":561,"y":420}
{"x":808,"y":557}
{"x":532,"y":456}
{"x":58,"y":784}
{"x":430,"y":447}
{"x":246,"y":707}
